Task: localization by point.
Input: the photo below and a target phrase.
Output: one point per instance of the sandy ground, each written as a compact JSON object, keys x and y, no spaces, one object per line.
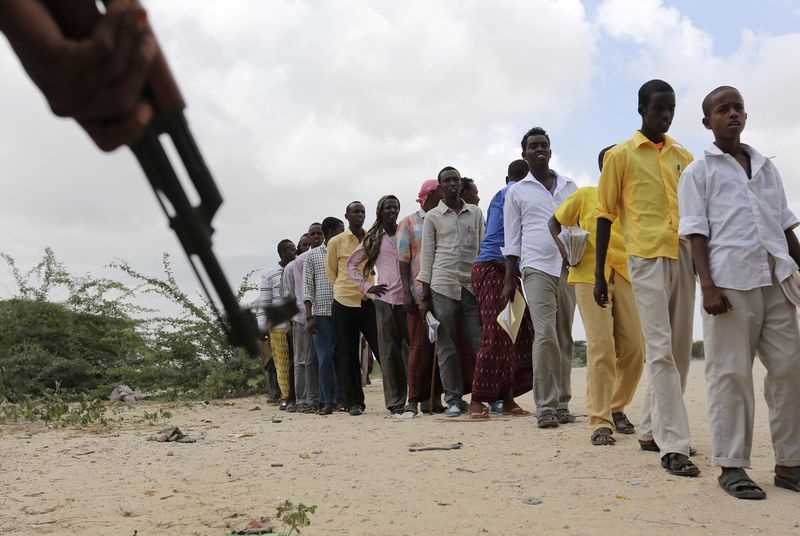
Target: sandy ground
{"x":363,"y":479}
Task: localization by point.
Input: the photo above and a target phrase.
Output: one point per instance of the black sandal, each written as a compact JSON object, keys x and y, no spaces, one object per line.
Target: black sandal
{"x":679,"y":465}
{"x":564,"y":416}
{"x":790,"y":481}
{"x":622,"y":424}
{"x":602,"y":436}
{"x":547,"y":419}
{"x":738,"y":484}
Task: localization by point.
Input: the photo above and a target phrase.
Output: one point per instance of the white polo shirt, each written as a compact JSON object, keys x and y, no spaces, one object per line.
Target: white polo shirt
{"x":528,"y":208}
{"x":743,"y":219}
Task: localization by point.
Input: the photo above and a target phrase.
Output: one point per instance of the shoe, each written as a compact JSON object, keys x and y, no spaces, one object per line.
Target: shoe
{"x":356,"y":410}
{"x":397,"y":410}
{"x":341,"y":406}
{"x":283,"y":406}
{"x":679,"y":465}
{"x":309,"y":408}
{"x":273,"y":399}
{"x":547,"y":419}
{"x":496,"y":407}
{"x":326,"y":409}
{"x":650,"y":445}
{"x":453,"y":410}
{"x":564,"y":416}
{"x":291,"y":408}
{"x":622,"y":424}
{"x":410,"y":408}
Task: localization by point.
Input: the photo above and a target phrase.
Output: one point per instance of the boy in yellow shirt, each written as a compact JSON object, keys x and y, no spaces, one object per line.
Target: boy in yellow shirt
{"x":615,"y":349}
{"x":639,"y":185}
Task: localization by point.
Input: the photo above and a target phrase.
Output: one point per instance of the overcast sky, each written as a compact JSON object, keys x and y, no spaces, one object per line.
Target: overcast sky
{"x":300,"y":107}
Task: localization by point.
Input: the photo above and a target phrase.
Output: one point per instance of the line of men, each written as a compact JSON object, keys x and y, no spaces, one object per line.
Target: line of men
{"x":634,"y":287}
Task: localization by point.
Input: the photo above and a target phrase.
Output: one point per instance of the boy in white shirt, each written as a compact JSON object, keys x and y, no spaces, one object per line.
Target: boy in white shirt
{"x":734,"y":210}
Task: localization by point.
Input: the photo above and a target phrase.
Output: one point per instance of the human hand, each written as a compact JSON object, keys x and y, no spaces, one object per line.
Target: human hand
{"x":311,"y":326}
{"x":509,"y":291}
{"x":601,"y":291}
{"x":377,"y":290}
{"x":97,"y":80}
{"x":424,"y":306}
{"x":715,"y":302}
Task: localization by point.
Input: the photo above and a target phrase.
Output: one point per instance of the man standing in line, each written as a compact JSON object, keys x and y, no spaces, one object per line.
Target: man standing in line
{"x":278,"y":334}
{"x":499,"y":361}
{"x":421,"y":351}
{"x":306,"y":369}
{"x":639,"y":185}
{"x":317,"y":300}
{"x":379,"y":250}
{"x":352,"y":311}
{"x":529,"y":206}
{"x":451,"y":237}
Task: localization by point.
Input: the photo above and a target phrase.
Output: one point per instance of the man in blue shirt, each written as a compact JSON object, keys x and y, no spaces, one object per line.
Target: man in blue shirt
{"x":501,"y":367}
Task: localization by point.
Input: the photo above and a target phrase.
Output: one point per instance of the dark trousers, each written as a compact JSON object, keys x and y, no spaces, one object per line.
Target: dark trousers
{"x":347,"y":323}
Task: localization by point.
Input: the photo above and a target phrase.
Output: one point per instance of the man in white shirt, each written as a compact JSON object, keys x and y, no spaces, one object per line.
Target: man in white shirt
{"x":529,"y":247}
{"x":734,"y":210}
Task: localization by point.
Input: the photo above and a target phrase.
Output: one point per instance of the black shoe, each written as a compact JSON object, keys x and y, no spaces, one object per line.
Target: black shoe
{"x":341,"y":406}
{"x":291,"y":408}
{"x":283,"y":406}
{"x":326,"y":409}
{"x":356,"y":410}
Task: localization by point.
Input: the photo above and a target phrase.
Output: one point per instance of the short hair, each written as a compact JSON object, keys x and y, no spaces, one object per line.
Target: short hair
{"x":518,"y":169}
{"x":535,"y":131}
{"x":351,"y":203}
{"x":465,"y":182}
{"x":313,"y":224}
{"x":282,"y":245}
{"x":650,"y":87}
{"x":446,"y":168}
{"x":707,"y":101}
{"x":329,"y":224}
{"x":602,"y":155}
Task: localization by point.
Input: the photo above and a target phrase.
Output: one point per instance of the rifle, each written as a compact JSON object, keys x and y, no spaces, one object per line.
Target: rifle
{"x":192,"y":224}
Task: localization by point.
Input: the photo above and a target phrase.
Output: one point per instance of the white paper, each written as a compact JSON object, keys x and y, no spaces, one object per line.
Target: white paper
{"x":574,"y":240}
{"x":433,"y":326}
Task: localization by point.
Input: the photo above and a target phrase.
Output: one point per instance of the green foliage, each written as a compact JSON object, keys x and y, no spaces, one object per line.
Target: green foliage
{"x":579,"y":354}
{"x":293,"y":517}
{"x":97,"y":338}
{"x":53,"y":410}
{"x":698,"y":350}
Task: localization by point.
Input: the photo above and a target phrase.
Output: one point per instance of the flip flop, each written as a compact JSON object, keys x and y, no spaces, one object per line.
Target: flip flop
{"x":479,"y":415}
{"x":738,"y":484}
{"x":516,"y":411}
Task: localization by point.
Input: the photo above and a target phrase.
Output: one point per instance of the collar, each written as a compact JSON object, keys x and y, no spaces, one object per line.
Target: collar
{"x":442,"y":208}
{"x":640,"y":139}
{"x":560,"y":183}
{"x":757,"y":160}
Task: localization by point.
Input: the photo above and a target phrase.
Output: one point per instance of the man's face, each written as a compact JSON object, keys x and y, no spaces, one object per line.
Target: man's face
{"x":450,"y":183}
{"x":389,"y":212}
{"x":470,"y":195}
{"x":727,"y":117}
{"x":658,"y":113}
{"x":289,"y":253}
{"x":304,"y":244}
{"x":355,"y":214}
{"x":433,"y":198}
{"x":537,"y":151}
{"x":315,"y":236}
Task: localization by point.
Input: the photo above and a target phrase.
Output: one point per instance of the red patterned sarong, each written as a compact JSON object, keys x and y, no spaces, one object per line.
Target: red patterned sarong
{"x":500,"y":362}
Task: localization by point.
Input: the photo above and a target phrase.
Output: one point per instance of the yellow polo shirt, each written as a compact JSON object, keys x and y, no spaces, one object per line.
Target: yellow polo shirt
{"x":639,"y":184}
{"x":579,"y":209}
{"x":340,"y":247}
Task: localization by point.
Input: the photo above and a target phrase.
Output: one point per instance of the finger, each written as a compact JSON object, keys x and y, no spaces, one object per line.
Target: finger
{"x":119,"y":98}
{"x":727,"y":303}
{"x":109,"y":135}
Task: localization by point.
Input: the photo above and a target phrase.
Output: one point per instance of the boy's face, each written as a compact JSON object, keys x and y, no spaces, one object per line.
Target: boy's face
{"x":727,"y":117}
{"x":658,"y":113}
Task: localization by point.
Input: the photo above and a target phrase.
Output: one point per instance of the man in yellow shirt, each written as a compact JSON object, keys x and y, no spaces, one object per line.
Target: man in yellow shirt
{"x":352,"y":311}
{"x":615,"y":348}
{"x":639,"y":185}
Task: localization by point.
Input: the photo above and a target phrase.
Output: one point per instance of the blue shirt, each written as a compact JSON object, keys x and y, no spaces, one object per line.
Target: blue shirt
{"x":493,"y":239}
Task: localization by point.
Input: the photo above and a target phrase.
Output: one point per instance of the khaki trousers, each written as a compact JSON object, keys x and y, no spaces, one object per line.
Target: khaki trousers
{"x":551,"y":302}
{"x":762,"y":322}
{"x":664,"y":291}
{"x":615,"y":350}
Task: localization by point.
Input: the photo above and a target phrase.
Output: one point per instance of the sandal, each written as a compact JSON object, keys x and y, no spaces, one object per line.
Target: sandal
{"x":679,"y":465}
{"x":516,"y":411}
{"x":564,"y":416}
{"x":479,"y":414}
{"x":738,"y":484}
{"x":547,"y":419}
{"x":602,"y":436}
{"x":650,"y":445}
{"x":790,"y":481}
{"x":622,"y":424}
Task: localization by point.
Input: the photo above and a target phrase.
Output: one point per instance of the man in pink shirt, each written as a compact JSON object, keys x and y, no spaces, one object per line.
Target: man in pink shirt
{"x":378,"y":251}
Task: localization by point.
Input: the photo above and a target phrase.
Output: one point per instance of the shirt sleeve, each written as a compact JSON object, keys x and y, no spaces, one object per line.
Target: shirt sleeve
{"x":692,"y":201}
{"x":428,"y":250}
{"x":265,"y":299}
{"x":287,"y":281}
{"x":512,"y":225}
{"x":569,"y":211}
{"x":353,"y":270}
{"x":309,"y":283}
{"x":332,"y":261}
{"x":609,"y":189}
{"x":404,"y":241}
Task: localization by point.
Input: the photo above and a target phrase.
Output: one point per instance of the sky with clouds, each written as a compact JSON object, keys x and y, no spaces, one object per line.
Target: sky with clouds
{"x":300,"y":107}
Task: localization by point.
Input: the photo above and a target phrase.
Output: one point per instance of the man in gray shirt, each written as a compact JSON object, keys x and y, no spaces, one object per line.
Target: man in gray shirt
{"x":451,"y":236}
